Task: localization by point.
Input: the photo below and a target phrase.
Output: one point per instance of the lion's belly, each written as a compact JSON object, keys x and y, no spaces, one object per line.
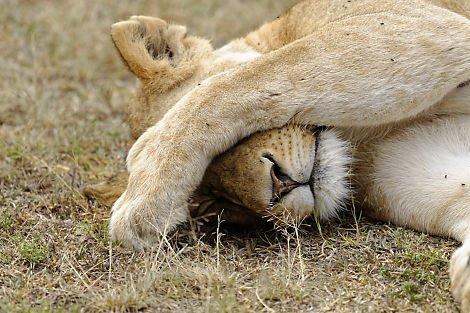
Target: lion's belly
{"x":414,"y":175}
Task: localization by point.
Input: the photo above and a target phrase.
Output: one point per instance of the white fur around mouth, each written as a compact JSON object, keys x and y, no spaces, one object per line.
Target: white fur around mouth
{"x":331,"y":174}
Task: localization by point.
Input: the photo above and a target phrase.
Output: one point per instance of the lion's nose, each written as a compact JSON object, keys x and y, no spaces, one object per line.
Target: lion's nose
{"x":282,"y":184}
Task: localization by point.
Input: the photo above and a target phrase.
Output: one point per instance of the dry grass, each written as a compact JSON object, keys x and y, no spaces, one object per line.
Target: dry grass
{"x":62,"y":109}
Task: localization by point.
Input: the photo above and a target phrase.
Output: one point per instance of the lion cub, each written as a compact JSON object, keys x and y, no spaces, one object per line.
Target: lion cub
{"x":389,"y":78}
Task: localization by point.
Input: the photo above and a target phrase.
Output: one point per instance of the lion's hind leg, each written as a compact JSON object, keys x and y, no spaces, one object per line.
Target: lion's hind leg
{"x":420,"y":177}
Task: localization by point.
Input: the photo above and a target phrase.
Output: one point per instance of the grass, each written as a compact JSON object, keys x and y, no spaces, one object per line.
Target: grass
{"x":62,"y":125}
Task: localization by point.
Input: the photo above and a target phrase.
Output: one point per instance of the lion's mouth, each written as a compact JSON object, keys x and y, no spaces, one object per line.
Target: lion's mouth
{"x":328,"y":181}
{"x":282,"y":183}
{"x":316,"y":161}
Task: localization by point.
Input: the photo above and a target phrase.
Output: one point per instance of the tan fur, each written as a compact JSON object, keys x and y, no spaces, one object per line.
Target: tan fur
{"x":383,"y":73}
{"x":109,"y":191}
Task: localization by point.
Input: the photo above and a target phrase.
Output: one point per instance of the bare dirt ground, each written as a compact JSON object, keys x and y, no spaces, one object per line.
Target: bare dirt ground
{"x":63,"y":94}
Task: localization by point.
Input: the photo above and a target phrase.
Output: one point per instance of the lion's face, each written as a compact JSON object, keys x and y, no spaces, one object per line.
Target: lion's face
{"x":287,"y":173}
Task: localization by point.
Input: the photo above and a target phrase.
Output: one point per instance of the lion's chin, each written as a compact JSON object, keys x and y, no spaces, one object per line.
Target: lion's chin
{"x":330,"y":179}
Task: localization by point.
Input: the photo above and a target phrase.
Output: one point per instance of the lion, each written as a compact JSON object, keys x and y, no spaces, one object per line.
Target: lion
{"x":388,"y":82}
{"x":238,"y":183}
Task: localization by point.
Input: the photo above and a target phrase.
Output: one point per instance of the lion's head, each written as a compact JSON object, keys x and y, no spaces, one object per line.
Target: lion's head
{"x":286,"y":173}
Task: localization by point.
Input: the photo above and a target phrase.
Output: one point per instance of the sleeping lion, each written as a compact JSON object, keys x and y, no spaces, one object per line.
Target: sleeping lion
{"x":236,"y":129}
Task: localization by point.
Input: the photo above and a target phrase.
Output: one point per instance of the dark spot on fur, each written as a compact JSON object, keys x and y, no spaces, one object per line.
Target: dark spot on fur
{"x":393,"y":60}
{"x":465,"y":83}
{"x":168,"y":51}
{"x":208,"y":125}
{"x":274,"y":94}
{"x":463,"y":185}
{"x":153,"y":52}
{"x":141,"y":30}
{"x":445,"y":176}
{"x":382,"y":23}
{"x":320,"y":174}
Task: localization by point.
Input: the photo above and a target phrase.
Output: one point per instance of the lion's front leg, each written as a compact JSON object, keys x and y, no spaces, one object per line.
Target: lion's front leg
{"x":167,"y":163}
{"x":155,"y":200}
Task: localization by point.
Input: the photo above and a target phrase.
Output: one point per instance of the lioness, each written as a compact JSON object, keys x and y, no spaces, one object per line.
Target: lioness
{"x":390,"y":77}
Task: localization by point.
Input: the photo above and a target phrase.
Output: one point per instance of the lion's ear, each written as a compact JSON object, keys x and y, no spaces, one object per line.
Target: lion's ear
{"x":158,"y":53}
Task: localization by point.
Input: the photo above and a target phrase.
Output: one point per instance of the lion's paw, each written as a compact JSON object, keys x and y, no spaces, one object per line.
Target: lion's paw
{"x":460,"y":276}
{"x":139,"y":222}
{"x":120,"y":228}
